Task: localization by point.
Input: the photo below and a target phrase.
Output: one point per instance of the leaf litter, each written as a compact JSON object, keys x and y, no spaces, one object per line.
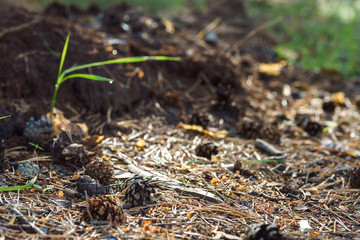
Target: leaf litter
{"x":213,"y":147}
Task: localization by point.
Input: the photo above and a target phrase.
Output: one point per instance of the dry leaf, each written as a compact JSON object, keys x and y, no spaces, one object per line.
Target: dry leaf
{"x":273,"y":69}
{"x":141,"y":74}
{"x":140,"y":144}
{"x":93,"y":140}
{"x":339,"y":98}
{"x":169,"y":27}
{"x":200,"y":129}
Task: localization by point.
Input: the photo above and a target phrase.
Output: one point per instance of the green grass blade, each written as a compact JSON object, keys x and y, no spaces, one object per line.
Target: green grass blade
{"x":14,"y":188}
{"x":63,"y":55}
{"x":87,"y":76}
{"x":122,"y":60}
{"x":5,"y":116}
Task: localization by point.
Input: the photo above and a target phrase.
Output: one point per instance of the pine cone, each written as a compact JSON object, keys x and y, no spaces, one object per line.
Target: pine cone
{"x":354,"y":177}
{"x":101,"y":170}
{"x":271,"y":134}
{"x":262,"y":231}
{"x":103,"y":208}
{"x":249,"y":128}
{"x":39,"y":131}
{"x":244,"y":172}
{"x":138,"y":191}
{"x":311,"y":127}
{"x":206,"y":150}
{"x":288,"y":189}
{"x":328,"y":106}
{"x":253,"y":128}
{"x":199,"y":118}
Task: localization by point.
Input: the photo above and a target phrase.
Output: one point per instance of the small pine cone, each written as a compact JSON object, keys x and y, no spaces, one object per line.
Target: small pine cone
{"x":354,"y":177}
{"x":199,"y":118}
{"x":101,"y":170}
{"x":249,"y":128}
{"x":313,"y":128}
{"x":271,"y":134}
{"x":138,"y":191}
{"x":253,"y":128}
{"x":262,"y":231}
{"x":103,"y":208}
{"x":243,"y":172}
{"x":328,"y":106}
{"x":237,"y":166}
{"x":75,"y":154}
{"x":288,"y":189}
{"x":206,"y":150}
{"x":40,"y":131}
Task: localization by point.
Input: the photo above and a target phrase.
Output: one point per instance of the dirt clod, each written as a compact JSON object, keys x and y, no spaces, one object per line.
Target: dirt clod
{"x":90,"y":185}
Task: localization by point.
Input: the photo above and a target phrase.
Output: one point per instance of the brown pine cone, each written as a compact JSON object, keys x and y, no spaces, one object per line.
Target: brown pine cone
{"x":329,"y":106}
{"x":249,"y":128}
{"x":354,"y":177}
{"x":244,"y":172}
{"x":102,"y":208}
{"x":253,"y":128}
{"x":309,"y":126}
{"x":313,"y":128}
{"x":206,"y":150}
{"x":101,"y":170}
{"x":138,"y":191}
{"x":199,"y":118}
{"x":271,"y":134}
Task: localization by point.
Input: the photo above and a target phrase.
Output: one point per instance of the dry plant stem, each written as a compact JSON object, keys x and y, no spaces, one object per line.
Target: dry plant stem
{"x":255,"y":31}
{"x":175,"y":185}
{"x":209,"y":28}
{"x":17,"y":212}
{"x":19,"y":27}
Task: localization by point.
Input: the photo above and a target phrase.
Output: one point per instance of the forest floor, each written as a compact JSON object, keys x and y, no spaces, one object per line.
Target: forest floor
{"x":227,"y":143}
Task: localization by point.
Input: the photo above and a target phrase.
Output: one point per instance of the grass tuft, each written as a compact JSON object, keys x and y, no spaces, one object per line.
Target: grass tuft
{"x":15,"y":188}
{"x":5,"y":117}
{"x":63,"y":75}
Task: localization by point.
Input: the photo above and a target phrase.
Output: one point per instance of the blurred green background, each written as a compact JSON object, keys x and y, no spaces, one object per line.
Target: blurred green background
{"x":315,"y":34}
